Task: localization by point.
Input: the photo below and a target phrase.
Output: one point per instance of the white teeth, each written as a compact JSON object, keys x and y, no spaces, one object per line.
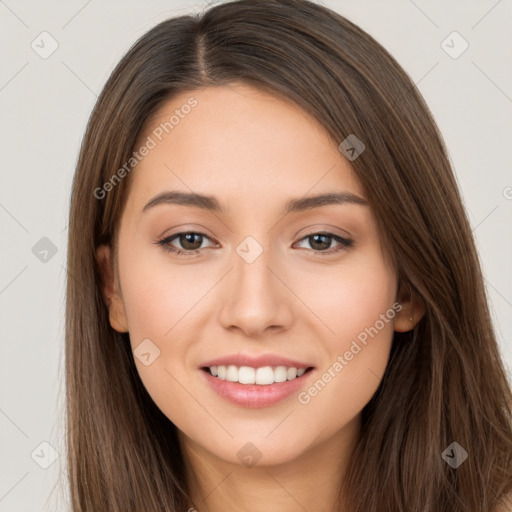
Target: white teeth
{"x":246,"y":375}
{"x":291,"y":373}
{"x":280,"y":374}
{"x":264,"y":376}
{"x":232,"y":373}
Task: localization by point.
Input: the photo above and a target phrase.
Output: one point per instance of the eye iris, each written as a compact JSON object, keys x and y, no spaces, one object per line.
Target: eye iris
{"x":187,"y":239}
{"x":320,"y":246}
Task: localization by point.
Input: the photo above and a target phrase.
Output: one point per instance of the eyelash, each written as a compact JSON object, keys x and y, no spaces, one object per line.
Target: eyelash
{"x":165,"y":243}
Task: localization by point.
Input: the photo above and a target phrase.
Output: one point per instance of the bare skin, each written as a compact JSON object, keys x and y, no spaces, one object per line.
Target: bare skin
{"x":254,"y":152}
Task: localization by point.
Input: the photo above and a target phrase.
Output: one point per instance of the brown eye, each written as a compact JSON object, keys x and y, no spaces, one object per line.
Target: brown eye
{"x":190,"y":241}
{"x":187,"y":242}
{"x":321,"y":242}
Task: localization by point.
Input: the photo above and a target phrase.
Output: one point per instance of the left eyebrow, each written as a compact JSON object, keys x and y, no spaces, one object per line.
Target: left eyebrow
{"x":210,"y":203}
{"x":310,"y":202}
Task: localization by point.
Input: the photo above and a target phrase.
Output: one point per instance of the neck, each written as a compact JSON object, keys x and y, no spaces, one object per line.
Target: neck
{"x":309,"y":481}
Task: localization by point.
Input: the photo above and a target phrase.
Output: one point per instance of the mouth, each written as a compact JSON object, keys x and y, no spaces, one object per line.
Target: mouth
{"x":261,"y":387}
{"x":262,"y":376}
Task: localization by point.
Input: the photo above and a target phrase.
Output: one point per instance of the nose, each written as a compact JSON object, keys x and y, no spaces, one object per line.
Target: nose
{"x":255,"y":299}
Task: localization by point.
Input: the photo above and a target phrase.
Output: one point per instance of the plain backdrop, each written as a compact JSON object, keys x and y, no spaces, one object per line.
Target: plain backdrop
{"x":45,"y":104}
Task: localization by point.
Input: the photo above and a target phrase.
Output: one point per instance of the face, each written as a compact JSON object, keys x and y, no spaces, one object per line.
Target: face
{"x":258,"y":270}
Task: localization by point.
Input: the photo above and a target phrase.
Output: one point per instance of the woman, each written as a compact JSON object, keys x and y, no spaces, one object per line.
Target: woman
{"x":275,"y":301}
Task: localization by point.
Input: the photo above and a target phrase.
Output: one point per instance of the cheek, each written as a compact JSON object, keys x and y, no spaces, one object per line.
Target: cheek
{"x":159,"y":297}
{"x":357,"y":311}
{"x":349,"y":299}
{"x":162,"y":306}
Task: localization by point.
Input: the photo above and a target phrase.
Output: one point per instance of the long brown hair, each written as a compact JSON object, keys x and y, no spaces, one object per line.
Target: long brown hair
{"x":445,"y":381}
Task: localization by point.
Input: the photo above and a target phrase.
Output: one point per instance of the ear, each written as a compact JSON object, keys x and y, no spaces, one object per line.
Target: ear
{"x":412,"y":310}
{"x":110,"y":289}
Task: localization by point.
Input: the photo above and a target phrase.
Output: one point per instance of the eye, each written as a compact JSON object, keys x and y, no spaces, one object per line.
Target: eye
{"x":190,"y":241}
{"x":319,"y":242}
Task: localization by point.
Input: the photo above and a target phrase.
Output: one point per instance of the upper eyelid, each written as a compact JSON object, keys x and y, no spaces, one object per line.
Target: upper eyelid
{"x":308,"y":229}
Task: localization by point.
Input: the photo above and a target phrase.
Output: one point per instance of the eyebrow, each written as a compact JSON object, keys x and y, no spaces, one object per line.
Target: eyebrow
{"x":210,"y":203}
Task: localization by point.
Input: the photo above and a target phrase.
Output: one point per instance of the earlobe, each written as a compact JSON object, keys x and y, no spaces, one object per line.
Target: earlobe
{"x":110,"y":289}
{"x":413,"y":309}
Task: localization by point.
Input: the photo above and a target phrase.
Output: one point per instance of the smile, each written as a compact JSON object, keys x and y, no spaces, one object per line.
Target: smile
{"x":262,"y":376}
{"x":272,"y":390}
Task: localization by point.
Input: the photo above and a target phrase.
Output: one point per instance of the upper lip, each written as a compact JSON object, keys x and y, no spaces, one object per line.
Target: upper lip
{"x":255,"y":361}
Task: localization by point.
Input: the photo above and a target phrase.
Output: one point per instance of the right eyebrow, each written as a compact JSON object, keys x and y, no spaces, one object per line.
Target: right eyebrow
{"x":186,"y":199}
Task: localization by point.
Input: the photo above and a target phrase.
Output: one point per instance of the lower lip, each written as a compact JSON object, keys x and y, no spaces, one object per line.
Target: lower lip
{"x":255,"y":395}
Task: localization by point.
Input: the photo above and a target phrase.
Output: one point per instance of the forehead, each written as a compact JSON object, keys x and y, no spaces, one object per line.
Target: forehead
{"x":239,"y":143}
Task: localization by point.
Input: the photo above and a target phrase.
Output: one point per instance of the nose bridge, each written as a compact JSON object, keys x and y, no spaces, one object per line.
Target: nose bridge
{"x":256,"y":299}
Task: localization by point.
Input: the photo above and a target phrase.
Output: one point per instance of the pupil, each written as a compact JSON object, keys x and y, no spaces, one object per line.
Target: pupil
{"x":324,"y":245}
{"x":189,"y":240}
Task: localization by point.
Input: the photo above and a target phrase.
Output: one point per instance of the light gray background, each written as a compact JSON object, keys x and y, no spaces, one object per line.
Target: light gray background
{"x":45,"y":104}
